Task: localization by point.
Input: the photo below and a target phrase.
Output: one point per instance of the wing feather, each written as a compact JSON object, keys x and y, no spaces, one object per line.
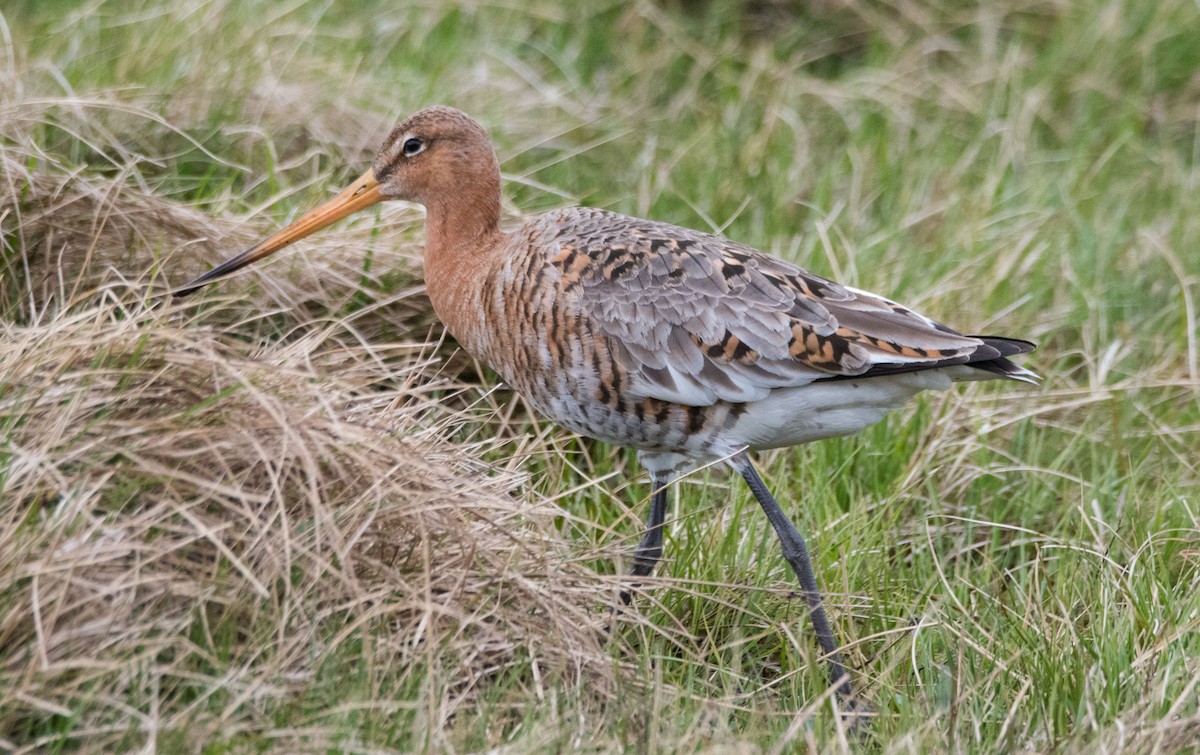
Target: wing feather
{"x":695,"y":318}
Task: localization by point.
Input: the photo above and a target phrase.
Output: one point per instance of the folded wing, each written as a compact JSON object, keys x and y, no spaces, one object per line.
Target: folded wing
{"x":695,"y":319}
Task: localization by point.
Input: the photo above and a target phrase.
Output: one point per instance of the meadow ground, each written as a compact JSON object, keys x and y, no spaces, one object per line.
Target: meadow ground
{"x":286,"y":515}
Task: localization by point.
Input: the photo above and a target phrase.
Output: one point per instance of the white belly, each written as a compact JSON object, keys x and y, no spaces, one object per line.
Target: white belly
{"x":790,"y":416}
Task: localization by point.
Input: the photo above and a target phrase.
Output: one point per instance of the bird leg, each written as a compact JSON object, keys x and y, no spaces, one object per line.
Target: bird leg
{"x":796,"y":553}
{"x":649,"y":550}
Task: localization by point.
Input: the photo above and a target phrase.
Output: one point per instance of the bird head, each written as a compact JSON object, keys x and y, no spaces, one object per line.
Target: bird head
{"x":438,"y":156}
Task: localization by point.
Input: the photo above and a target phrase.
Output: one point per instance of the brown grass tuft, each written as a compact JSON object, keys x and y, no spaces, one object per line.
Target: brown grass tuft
{"x":177,"y":495}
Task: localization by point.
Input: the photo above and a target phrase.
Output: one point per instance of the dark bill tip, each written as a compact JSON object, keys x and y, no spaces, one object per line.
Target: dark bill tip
{"x":220,"y":271}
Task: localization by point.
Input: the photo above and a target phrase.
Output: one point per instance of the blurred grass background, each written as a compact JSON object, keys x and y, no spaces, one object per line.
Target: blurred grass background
{"x":290,"y":517}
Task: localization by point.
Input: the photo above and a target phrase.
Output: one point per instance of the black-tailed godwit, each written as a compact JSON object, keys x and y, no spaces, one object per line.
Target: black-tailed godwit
{"x":684,"y":345}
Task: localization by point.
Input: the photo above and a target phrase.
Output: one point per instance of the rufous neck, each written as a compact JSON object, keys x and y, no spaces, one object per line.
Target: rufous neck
{"x":463,"y":237}
{"x":461,"y":223}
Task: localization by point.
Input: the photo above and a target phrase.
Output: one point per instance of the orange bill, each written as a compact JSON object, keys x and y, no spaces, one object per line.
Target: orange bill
{"x":364,"y":192}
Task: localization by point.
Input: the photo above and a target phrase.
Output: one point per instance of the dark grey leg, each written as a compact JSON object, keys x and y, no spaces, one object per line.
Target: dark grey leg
{"x":649,"y":551}
{"x":796,"y":553}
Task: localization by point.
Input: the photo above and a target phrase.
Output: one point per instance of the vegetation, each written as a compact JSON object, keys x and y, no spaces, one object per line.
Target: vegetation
{"x":288,"y":516}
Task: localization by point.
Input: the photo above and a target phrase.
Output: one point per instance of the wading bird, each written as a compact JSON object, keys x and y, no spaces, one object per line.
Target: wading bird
{"x":684,"y":345}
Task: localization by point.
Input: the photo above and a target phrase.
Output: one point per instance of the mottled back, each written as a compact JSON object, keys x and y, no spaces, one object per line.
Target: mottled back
{"x":694,"y":318}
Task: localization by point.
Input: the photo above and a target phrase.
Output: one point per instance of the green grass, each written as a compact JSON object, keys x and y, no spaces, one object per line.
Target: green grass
{"x":287,"y":518}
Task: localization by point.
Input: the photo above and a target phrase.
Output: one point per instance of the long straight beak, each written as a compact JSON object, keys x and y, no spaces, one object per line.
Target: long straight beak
{"x":364,"y":192}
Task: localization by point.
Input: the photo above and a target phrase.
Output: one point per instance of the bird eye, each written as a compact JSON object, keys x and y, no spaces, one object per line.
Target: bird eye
{"x":413,"y":147}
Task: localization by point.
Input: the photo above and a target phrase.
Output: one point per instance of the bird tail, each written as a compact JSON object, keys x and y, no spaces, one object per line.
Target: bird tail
{"x":993,"y":357}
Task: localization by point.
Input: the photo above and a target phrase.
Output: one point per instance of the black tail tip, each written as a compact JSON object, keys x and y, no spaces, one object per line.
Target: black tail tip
{"x":1007,"y":346}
